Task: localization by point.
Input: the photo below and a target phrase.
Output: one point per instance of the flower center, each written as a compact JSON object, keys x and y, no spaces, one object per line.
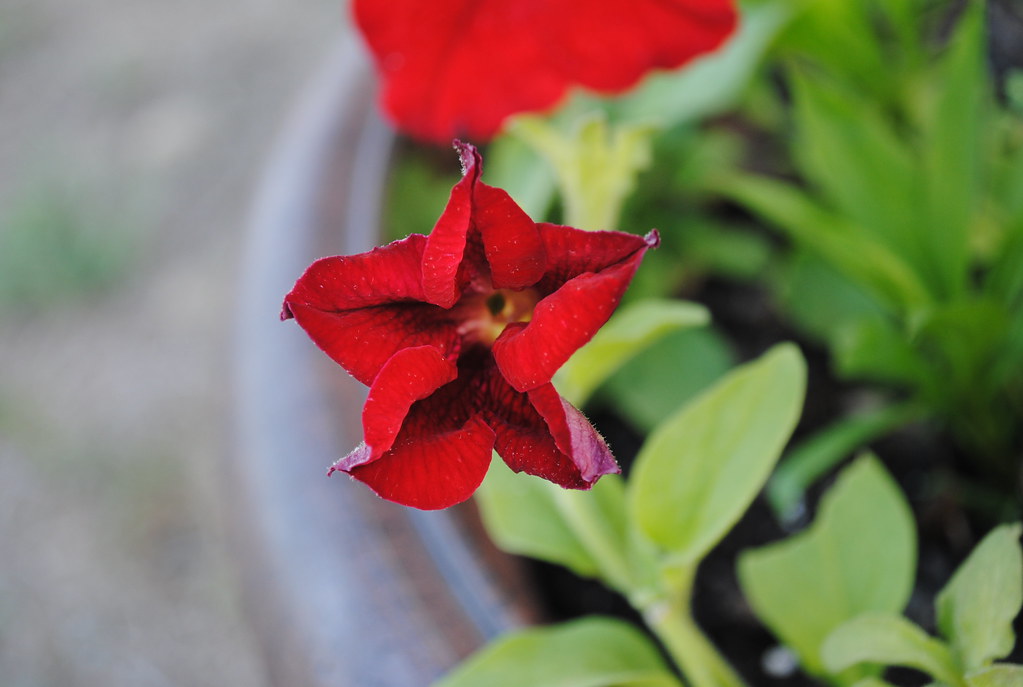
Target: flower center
{"x":488,"y":314}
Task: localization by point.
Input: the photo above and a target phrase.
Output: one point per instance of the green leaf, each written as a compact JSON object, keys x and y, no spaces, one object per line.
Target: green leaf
{"x":847,"y":149}
{"x":976,"y":608}
{"x":964,"y":338}
{"x":859,"y":555}
{"x":518,"y":169}
{"x":815,"y":456}
{"x":835,"y":238}
{"x":585,"y":531}
{"x":840,"y":35}
{"x":699,"y":471}
{"x":521,"y":517}
{"x":720,"y":249}
{"x":998,"y":675}
{"x":592,"y":652}
{"x":888,"y":640}
{"x":871,"y":682}
{"x":423,"y":192}
{"x":876,"y":349}
{"x":650,"y":387}
{"x":630,"y":330}
{"x":951,"y":150}
{"x":595,"y":163}
{"x":819,"y":298}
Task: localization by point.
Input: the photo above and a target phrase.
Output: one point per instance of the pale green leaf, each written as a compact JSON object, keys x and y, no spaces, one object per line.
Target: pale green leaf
{"x":871,"y":682}
{"x":595,"y":163}
{"x":649,"y":388}
{"x":521,"y":517}
{"x":888,"y":640}
{"x":518,"y":169}
{"x":592,"y":652}
{"x":976,"y":608}
{"x":585,"y":531}
{"x":699,"y":471}
{"x":859,"y":555}
{"x":630,"y":330}
{"x":997,"y":675}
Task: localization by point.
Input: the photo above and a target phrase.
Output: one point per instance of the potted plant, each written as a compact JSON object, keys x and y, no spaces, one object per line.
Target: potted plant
{"x":706,"y":455}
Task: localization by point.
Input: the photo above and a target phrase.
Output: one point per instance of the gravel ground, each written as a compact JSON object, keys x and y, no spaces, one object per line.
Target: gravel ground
{"x":141,"y":127}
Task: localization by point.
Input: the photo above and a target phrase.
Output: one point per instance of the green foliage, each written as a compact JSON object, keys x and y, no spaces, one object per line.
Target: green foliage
{"x":682,"y":97}
{"x":859,"y":555}
{"x":976,"y":608}
{"x":521,"y":515}
{"x":909,"y":192}
{"x":903,"y":207}
{"x":595,"y":163}
{"x":699,"y":471}
{"x":632,"y":328}
{"x":975,"y":611}
{"x":646,"y":538}
{"x":592,"y":652}
{"x":813,"y":457}
{"x":423,"y":192}
{"x":649,"y":388}
{"x":888,"y":639}
{"x":998,"y":675}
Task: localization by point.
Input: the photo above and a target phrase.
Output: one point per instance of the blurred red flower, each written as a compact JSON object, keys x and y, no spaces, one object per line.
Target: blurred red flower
{"x":460,"y":67}
{"x":458,"y":335}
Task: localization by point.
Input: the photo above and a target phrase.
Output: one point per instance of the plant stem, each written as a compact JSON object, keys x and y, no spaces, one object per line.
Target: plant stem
{"x":697,"y":658}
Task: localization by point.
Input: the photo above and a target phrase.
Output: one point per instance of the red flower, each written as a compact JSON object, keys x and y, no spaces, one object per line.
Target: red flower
{"x":458,"y":334}
{"x":459,"y":67}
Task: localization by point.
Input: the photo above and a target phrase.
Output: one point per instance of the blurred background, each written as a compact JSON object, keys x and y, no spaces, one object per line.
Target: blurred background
{"x":132,"y":136}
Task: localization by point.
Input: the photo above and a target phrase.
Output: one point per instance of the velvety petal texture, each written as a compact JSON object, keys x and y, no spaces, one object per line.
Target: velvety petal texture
{"x":530,"y":354}
{"x":432,"y":472}
{"x":511,"y":241}
{"x":460,"y":67}
{"x":457,"y":336}
{"x":410,"y":375}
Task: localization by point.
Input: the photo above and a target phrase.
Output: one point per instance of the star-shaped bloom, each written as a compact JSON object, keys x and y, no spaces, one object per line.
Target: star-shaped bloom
{"x":457,"y":334}
{"x":460,"y":67}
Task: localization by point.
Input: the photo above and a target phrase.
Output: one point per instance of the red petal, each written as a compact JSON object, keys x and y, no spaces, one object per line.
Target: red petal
{"x":574,"y":435}
{"x":361,"y":309}
{"x":445,"y":246}
{"x":431,"y":472}
{"x":588,"y":273}
{"x":540,"y":437}
{"x":410,"y":375}
{"x":363,"y":340}
{"x":512,"y":245}
{"x":383,"y":275}
{"x":459,"y":67}
{"x":646,"y":34}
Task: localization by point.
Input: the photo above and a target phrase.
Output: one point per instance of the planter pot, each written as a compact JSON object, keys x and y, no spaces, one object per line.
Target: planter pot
{"x":342,"y":587}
